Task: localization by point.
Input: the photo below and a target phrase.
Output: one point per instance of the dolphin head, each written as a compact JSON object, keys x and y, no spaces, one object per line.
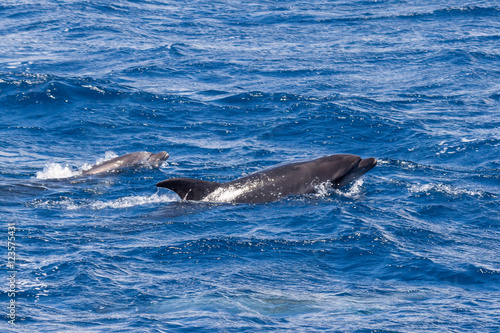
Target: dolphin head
{"x":349,"y":168}
{"x":155,"y":160}
{"x":341,"y":169}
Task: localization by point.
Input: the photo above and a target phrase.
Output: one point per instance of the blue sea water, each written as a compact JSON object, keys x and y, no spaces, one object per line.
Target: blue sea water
{"x":229,"y":88}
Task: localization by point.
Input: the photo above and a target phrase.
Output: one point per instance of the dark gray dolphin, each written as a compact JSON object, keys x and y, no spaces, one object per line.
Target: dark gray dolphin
{"x":277,"y":182}
{"x":128,"y":161}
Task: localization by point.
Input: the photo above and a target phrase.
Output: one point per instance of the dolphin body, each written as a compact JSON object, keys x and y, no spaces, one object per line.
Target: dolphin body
{"x":142,"y":158}
{"x":276,"y":182}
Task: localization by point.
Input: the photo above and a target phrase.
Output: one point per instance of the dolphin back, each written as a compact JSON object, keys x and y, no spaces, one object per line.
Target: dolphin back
{"x":277,"y":182}
{"x":142,"y":158}
{"x":188,"y":188}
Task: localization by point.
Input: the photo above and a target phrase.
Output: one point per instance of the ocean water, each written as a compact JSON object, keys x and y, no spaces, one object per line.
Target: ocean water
{"x":228,"y":88}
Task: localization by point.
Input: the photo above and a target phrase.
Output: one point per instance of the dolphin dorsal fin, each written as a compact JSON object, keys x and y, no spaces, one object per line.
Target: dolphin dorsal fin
{"x":188,"y":188}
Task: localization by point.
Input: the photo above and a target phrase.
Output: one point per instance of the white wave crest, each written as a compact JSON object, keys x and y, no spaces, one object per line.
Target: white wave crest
{"x":131,"y":201}
{"x":443,"y":188}
{"x":56,"y":171}
{"x":125,"y":202}
{"x":94,"y":88}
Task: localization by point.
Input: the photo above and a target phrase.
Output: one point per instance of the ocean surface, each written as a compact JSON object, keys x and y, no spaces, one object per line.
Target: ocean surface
{"x":229,"y":88}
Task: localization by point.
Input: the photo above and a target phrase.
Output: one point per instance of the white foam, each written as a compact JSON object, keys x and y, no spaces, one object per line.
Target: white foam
{"x":468,"y":140}
{"x":94,"y":88}
{"x":132,"y":201}
{"x":352,"y":191}
{"x":66,"y":203}
{"x":109,"y":155}
{"x":125,"y":202}
{"x":56,"y":171}
{"x":323,"y":189}
{"x":443,"y":188}
{"x":86,"y":167}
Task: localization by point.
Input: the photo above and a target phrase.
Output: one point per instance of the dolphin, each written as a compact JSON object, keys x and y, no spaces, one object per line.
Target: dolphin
{"x":127,"y":161}
{"x":276,"y":182}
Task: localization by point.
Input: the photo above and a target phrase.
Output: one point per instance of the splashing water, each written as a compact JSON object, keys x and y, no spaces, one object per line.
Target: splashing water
{"x":56,"y":171}
{"x":326,"y":188}
{"x":124,"y":202}
{"x":443,"y":188}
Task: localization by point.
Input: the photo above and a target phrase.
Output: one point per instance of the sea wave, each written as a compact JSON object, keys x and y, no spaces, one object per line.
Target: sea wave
{"x":62,"y":171}
{"x":120,"y":203}
{"x":57,"y":171}
{"x":445,"y":189}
